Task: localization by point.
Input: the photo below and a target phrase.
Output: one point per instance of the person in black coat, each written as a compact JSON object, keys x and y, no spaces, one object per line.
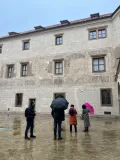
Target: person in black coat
{"x":58,"y":116}
{"x":30,"y":115}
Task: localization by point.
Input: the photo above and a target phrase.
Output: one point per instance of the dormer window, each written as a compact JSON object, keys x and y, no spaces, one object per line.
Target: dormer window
{"x":95,"y":15}
{"x":65,"y":22}
{"x":39,"y":28}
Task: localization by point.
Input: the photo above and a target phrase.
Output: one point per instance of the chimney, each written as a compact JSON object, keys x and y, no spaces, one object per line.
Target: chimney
{"x":12,"y":33}
{"x":65,"y":22}
{"x":39,"y":28}
{"x":95,"y":16}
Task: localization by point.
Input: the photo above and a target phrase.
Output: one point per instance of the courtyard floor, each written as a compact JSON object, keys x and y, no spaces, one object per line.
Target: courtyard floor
{"x":101,"y":143}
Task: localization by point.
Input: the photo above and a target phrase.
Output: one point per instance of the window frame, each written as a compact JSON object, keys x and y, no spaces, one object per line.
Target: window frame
{"x":1,"y":48}
{"x":94,"y":30}
{"x":100,"y":29}
{"x":98,"y":57}
{"x":23,"y":45}
{"x":12,"y":73}
{"x":16,"y":105}
{"x":111,"y":96}
{"x":58,"y":61}
{"x":97,"y":32}
{"x":58,"y":36}
{"x":22,"y":64}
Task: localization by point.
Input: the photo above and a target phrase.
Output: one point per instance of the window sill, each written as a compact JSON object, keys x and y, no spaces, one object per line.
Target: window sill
{"x":58,"y":75}
{"x":25,"y":49}
{"x":18,"y":106}
{"x":58,"y":44}
{"x":98,"y":71}
{"x":102,"y":38}
{"x":92,"y":39}
{"x":110,"y":105}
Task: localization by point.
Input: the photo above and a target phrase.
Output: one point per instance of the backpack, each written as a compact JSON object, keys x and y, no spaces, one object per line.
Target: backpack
{"x":71,"y":112}
{"x":26,"y":112}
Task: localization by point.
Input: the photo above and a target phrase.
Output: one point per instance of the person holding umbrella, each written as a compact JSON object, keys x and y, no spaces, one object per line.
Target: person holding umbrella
{"x":85,"y":117}
{"x":58,"y":106}
{"x":87,"y":108}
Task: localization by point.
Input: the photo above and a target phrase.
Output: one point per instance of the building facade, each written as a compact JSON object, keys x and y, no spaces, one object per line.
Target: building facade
{"x":76,"y":59}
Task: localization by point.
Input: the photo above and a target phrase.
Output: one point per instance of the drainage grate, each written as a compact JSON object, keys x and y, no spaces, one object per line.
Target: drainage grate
{"x":107,"y":113}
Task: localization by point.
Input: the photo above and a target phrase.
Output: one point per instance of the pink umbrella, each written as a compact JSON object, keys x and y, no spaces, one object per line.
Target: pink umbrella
{"x":90,"y":107}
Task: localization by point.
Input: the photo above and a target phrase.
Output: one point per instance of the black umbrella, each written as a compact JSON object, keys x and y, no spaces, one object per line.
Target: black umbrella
{"x":59,"y":103}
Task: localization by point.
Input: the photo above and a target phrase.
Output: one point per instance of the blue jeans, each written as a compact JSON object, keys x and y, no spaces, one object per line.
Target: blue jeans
{"x":57,"y":124}
{"x":30,"y":125}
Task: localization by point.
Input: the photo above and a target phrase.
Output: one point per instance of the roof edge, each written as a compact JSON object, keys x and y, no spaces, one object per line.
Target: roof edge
{"x":115,"y":10}
{"x":80,"y":21}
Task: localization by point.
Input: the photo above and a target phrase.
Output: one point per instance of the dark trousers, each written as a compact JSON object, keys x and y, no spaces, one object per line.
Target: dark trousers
{"x":30,"y":125}
{"x":75,"y":126}
{"x":57,"y":125}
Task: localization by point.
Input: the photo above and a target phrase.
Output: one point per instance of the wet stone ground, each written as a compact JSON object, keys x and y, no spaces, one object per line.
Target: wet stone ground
{"x":101,"y":143}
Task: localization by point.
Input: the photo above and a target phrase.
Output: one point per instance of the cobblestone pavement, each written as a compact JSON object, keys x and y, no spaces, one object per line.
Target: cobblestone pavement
{"x":101,"y":143}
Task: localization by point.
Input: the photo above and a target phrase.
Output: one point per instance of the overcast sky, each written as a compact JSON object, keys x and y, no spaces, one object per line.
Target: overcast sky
{"x":22,"y":15}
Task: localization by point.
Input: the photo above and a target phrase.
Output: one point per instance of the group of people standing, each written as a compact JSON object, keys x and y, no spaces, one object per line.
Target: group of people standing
{"x":58,"y":116}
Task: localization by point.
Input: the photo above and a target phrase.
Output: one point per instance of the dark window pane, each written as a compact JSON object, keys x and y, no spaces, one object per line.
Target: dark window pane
{"x":0,"y":49}
{"x":106,"y":97}
{"x":18,"y":99}
{"x":57,"y":94}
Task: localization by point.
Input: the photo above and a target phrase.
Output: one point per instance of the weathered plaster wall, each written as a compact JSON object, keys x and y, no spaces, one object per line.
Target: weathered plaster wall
{"x":78,"y":81}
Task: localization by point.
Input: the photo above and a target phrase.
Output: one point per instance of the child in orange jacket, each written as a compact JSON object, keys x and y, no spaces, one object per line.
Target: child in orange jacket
{"x":72,"y":118}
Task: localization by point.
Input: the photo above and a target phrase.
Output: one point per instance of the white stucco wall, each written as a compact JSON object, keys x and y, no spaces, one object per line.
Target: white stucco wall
{"x":42,"y":83}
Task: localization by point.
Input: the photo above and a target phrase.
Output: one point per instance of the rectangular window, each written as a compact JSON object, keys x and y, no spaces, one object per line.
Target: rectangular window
{"x":98,"y":64}
{"x":26,"y":45}
{"x":0,"y":49}
{"x":97,"y":33}
{"x":101,"y":33}
{"x":10,"y":71}
{"x":57,"y":94}
{"x":59,"y":40}
{"x":24,"y":69}
{"x":92,"y":34}
{"x":18,"y":99}
{"x":58,"y":67}
{"x":106,"y":97}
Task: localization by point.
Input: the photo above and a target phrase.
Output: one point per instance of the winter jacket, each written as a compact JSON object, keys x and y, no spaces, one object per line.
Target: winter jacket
{"x":73,"y":119}
{"x":58,"y":115}
{"x":29,"y":114}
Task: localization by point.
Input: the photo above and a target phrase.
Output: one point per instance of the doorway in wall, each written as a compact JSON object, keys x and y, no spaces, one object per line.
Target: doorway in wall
{"x":32,"y":101}
{"x":59,"y":93}
{"x":119,"y":96}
